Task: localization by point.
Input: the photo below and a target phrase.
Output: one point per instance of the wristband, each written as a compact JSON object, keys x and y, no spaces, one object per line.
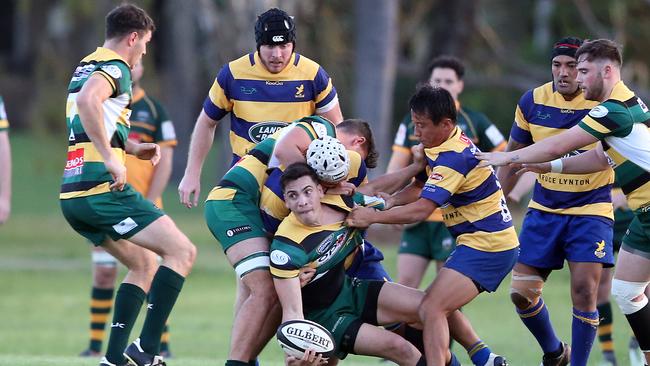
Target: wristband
{"x":556,"y":166}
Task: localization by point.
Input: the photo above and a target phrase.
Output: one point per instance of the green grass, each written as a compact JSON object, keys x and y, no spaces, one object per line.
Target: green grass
{"x":45,"y":284}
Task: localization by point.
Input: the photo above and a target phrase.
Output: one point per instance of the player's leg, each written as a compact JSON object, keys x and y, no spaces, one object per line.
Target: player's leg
{"x":379,"y":342}
{"x":605,"y":326}
{"x":448,"y":292}
{"x":631,"y":279}
{"x":101,"y":298}
{"x":541,"y":250}
{"x":413,"y":255}
{"x":178,"y":255}
{"x":141,"y":264}
{"x":589,"y":247}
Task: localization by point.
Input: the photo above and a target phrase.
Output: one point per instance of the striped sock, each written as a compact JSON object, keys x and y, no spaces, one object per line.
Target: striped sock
{"x":479,"y":352}
{"x":605,"y":327}
{"x":164,"y":340}
{"x":536,"y":318}
{"x":583,"y":333}
{"x":101,"y":302}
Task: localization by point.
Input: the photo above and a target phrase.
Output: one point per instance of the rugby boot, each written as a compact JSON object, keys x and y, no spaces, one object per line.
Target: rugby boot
{"x":560,"y":360}
{"x":138,"y":357}
{"x":496,"y":360}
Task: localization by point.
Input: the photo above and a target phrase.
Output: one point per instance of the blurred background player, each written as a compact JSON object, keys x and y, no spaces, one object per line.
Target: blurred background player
{"x":430,"y":240}
{"x":5,"y":165}
{"x":149,"y":123}
{"x":569,"y":217}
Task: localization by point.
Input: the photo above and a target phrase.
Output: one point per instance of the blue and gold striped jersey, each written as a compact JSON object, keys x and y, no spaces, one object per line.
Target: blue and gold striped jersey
{"x":4,"y":121}
{"x":85,"y":173}
{"x":272,"y":207}
{"x":261,"y":102}
{"x":473,"y":206}
{"x":622,"y":124}
{"x":543,"y":112}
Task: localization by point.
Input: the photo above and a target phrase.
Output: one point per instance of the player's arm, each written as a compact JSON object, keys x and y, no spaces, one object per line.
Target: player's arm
{"x":200,"y":145}
{"x":161,"y":174}
{"x":594,"y":160}
{"x":89,"y":102}
{"x":334,"y":115}
{"x":290,"y":296}
{"x":505,"y":174}
{"x":5,"y":176}
{"x":144,"y":151}
{"x":542,"y":151}
{"x":398,"y":160}
{"x":392,"y":182}
{"x":292,"y":146}
{"x":413,"y":212}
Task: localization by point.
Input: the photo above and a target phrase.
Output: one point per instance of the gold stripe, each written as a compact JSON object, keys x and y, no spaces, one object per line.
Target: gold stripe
{"x":218,"y":97}
{"x":587,"y":320}
{"x":490,"y":242}
{"x":595,"y":125}
{"x":530,"y":315}
{"x":4,"y":123}
{"x":607,"y":346}
{"x":98,"y":318}
{"x":101,"y":303}
{"x":221,"y":194}
{"x":165,"y":337}
{"x":96,"y":335}
{"x":605,"y":329}
{"x":143,"y":125}
{"x":403,"y":149}
{"x":284,"y":273}
{"x":92,"y":155}
{"x":102,"y":188}
{"x":599,"y":209}
{"x":639,"y":197}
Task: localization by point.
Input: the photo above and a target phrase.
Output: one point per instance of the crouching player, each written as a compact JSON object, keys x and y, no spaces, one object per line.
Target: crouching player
{"x":313,"y":236}
{"x":474,"y":211}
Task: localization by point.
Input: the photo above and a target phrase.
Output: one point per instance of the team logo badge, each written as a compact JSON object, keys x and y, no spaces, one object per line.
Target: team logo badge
{"x":262,"y":130}
{"x":279,"y":257}
{"x":436,"y":177}
{"x":598,"y":111}
{"x":238,"y":230}
{"x":112,"y":70}
{"x":300,"y":91}
{"x":600,"y":249}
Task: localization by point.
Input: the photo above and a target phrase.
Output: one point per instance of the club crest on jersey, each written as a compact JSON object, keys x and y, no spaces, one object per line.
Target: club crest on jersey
{"x":259,"y":132}
{"x":112,"y":70}
{"x":598,"y":111}
{"x":300,"y":91}
{"x":600,"y":249}
{"x":279,"y":257}
{"x":465,"y":139}
{"x":436,"y":177}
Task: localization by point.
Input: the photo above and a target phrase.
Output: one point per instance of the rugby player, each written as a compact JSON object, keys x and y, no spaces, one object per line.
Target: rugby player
{"x":570,"y":217}
{"x":99,"y":204}
{"x":474,"y":211}
{"x":149,"y":123}
{"x":620,"y":124}
{"x":314,"y":236}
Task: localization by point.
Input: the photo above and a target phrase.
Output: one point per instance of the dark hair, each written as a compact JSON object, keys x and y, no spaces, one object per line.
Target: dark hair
{"x":566,"y":46}
{"x":362,"y":128}
{"x":127,"y":18}
{"x":296,"y":171}
{"x":447,"y":62}
{"x":433,"y":102}
{"x":274,"y":26}
{"x":601,"y":49}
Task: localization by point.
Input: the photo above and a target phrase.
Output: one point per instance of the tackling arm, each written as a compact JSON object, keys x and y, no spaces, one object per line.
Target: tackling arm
{"x":292,"y":147}
{"x":591,"y":161}
{"x":506,"y":174}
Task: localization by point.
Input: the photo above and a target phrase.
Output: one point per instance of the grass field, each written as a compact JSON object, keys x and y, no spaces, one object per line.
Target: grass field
{"x":45,"y":284}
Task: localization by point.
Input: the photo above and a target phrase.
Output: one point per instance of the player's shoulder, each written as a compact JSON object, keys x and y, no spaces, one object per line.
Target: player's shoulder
{"x":306,"y":66}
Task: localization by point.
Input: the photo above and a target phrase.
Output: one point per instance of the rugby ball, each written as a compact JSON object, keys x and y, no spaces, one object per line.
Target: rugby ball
{"x":296,"y":336}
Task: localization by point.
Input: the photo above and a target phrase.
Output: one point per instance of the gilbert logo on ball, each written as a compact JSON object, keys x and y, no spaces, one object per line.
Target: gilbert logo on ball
{"x":296,"y":336}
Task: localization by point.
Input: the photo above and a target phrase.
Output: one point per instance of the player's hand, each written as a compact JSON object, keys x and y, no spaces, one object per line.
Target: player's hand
{"x":496,"y":158}
{"x":117,"y":170}
{"x":344,"y":188}
{"x":305,"y":275}
{"x":148,"y":151}
{"x":190,"y":185}
{"x":388,"y":200}
{"x":419,"y":158}
{"x":310,"y":358}
{"x":360,"y":217}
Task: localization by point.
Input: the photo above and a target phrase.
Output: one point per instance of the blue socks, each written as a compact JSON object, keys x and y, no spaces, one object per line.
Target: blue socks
{"x":479,"y":352}
{"x":538,"y":322}
{"x":583,"y":333}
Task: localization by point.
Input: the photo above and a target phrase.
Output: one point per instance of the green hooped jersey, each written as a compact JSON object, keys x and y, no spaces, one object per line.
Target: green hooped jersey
{"x":85,"y":173}
{"x":622,"y":124}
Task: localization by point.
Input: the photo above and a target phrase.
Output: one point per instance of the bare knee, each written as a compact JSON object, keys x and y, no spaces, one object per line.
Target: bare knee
{"x":584,"y":294}
{"x":520,"y":301}
{"x":525,"y":289}
{"x":398,"y":349}
{"x":104,"y":276}
{"x":261,"y":287}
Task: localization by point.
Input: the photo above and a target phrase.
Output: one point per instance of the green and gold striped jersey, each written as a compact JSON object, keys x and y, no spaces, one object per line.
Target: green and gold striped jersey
{"x":85,"y":173}
{"x":622,"y":123}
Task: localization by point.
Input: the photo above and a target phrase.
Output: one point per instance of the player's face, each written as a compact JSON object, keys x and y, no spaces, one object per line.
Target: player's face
{"x":447,"y":79}
{"x":564,"y":73}
{"x":276,"y":57}
{"x":302,"y":196}
{"x":136,"y":72}
{"x":139,"y":48}
{"x":352,"y":142}
{"x":590,"y":79}
{"x":431,"y":135}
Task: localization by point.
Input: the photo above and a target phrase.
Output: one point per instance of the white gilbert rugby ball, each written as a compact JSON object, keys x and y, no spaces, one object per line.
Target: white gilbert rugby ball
{"x":296,"y":336}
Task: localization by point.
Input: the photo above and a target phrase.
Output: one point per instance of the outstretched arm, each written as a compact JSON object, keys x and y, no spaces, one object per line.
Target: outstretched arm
{"x":413,"y":212}
{"x":545,"y":150}
{"x":592,"y":161}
